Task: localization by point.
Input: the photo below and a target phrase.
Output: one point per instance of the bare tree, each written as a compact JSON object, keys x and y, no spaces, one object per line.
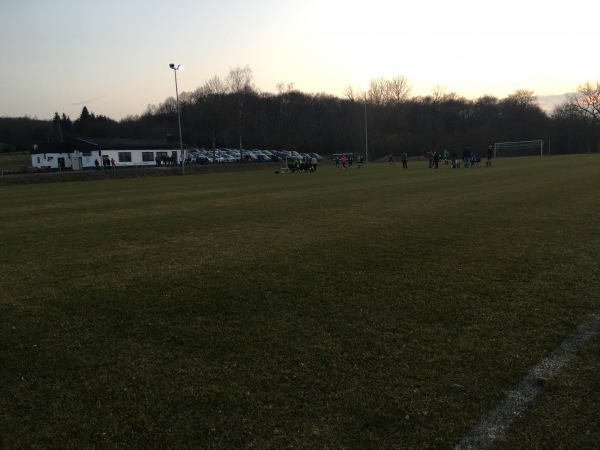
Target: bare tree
{"x":521,"y":116}
{"x":240,"y":83}
{"x":282,"y":87}
{"x":521,"y":98}
{"x":240,"y":79}
{"x":587,"y":100}
{"x":382,"y":91}
{"x":209,"y":102}
{"x":377,"y":91}
{"x":349,"y":93}
{"x":215,"y":86}
{"x":397,"y":90}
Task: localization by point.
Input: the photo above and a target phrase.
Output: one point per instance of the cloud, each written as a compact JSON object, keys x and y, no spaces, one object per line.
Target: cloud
{"x":549,"y":102}
{"x":91,"y":101}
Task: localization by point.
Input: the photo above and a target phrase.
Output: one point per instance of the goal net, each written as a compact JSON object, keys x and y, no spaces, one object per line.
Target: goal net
{"x":519,"y":148}
{"x":339,"y":155}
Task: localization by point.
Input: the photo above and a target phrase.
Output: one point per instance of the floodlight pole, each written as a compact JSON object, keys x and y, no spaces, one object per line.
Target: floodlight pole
{"x":175,"y":69}
{"x":366,"y":131}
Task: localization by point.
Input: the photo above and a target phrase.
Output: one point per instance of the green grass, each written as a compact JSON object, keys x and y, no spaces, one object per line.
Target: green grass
{"x":372,"y":308}
{"x":14,"y":160}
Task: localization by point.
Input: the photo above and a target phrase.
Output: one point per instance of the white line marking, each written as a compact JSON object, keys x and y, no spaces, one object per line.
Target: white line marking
{"x":497,"y":423}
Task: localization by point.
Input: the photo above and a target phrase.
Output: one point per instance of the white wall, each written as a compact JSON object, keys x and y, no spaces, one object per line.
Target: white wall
{"x":50,"y":160}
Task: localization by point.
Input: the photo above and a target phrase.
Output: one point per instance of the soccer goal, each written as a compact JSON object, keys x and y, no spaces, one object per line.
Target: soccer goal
{"x":519,"y":148}
{"x":339,"y":155}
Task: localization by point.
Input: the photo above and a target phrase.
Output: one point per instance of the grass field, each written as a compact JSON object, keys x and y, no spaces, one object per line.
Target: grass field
{"x":372,"y":308}
{"x":14,"y":160}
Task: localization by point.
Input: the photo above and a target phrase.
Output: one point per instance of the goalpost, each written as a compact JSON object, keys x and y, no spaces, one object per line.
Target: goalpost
{"x":519,"y":148}
{"x":339,"y":155}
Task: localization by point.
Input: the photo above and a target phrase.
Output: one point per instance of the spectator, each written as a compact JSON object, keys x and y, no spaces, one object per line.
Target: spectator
{"x":466,"y":157}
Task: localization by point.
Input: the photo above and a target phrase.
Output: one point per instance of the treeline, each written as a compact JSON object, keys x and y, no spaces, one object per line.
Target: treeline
{"x":232,"y":113}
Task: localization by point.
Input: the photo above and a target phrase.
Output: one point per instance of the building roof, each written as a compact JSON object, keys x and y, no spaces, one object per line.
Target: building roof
{"x":124,"y":144}
{"x":52,"y":147}
{"x":93,"y":144}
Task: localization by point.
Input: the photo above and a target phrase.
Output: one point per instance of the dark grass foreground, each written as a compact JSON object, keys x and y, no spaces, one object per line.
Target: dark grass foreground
{"x":371,"y":308}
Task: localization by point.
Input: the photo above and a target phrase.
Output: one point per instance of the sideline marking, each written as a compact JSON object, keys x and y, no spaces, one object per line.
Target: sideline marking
{"x":497,"y":423}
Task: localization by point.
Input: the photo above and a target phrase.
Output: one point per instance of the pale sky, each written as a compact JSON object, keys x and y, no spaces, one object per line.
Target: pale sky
{"x":113,"y":55}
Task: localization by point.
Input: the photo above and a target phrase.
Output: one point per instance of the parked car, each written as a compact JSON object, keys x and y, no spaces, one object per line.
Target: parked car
{"x":201,"y":160}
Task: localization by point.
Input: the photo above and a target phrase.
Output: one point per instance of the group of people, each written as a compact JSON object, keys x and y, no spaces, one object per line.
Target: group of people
{"x":404,"y":157}
{"x":468,"y":157}
{"x":106,"y":163}
{"x":348,"y":161}
{"x":303,"y":165}
{"x":165,"y":160}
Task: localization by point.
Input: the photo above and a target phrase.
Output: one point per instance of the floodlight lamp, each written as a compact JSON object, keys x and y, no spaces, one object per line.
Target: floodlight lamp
{"x":172,"y":66}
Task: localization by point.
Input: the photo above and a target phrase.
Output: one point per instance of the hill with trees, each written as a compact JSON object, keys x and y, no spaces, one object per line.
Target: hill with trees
{"x":232,"y":113}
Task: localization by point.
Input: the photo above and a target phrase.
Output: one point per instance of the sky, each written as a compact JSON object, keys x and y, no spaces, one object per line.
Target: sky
{"x":113,"y":56}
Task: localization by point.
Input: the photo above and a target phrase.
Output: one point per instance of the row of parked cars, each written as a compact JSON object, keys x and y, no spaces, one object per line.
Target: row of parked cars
{"x":225,"y":155}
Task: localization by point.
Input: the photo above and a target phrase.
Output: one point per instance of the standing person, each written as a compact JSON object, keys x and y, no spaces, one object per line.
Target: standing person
{"x":344,"y":160}
{"x":337,"y":162}
{"x":490,"y":153}
{"x":391,"y":159}
{"x":467,"y":157}
{"x":404,"y":160}
{"x":430,"y":158}
{"x":97,"y":164}
{"x":445,"y":157}
{"x":113,"y":163}
{"x":359,"y":160}
{"x":454,"y":156}
{"x":436,"y":159}
{"x":313,"y":162}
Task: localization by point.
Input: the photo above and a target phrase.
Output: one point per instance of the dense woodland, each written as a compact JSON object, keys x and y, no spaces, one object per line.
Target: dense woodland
{"x":232,"y":113}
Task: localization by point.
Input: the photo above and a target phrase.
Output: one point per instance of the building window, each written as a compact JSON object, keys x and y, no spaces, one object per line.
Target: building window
{"x":38,"y":159}
{"x":148,"y":156}
{"x":86,"y":153}
{"x":124,"y":156}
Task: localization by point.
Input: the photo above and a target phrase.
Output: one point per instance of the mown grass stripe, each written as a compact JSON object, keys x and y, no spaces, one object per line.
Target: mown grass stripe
{"x":496,"y":424}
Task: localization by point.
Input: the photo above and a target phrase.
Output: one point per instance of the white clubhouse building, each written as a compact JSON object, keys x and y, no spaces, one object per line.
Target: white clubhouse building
{"x":82,"y":154}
